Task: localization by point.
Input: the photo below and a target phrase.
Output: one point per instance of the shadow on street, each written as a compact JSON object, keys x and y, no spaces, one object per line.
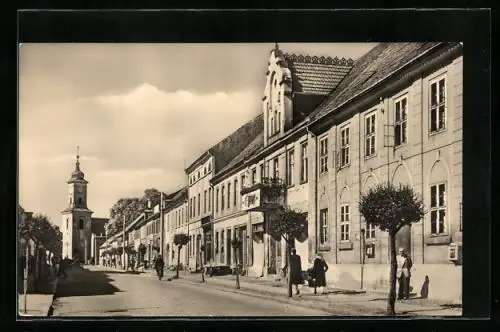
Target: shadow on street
{"x":86,"y":283}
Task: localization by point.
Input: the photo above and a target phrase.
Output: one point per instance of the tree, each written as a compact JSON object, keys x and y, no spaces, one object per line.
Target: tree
{"x":390,"y":209}
{"x":180,"y":240}
{"x":42,"y":232}
{"x":289,"y":225}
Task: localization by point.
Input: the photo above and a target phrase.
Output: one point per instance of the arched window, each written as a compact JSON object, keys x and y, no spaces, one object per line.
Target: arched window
{"x":80,"y":223}
{"x":67,"y":223}
{"x":80,"y":200}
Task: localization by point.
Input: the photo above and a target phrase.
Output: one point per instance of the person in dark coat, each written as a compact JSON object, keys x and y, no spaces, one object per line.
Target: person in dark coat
{"x":296,"y":270}
{"x":159,"y":265}
{"x":318,"y":273}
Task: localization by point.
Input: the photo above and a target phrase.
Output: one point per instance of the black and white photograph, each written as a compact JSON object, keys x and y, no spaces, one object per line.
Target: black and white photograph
{"x":240,"y":179}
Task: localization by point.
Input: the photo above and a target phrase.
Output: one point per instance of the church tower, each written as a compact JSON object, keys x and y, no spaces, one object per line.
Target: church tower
{"x":77,"y":218}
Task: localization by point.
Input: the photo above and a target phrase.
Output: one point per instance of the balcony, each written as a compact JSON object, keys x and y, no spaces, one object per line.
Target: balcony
{"x":263,"y":196}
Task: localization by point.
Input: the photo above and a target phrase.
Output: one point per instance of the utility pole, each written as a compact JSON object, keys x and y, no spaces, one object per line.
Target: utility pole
{"x":161,"y":226}
{"x":123,"y":243}
{"x":26,"y":274}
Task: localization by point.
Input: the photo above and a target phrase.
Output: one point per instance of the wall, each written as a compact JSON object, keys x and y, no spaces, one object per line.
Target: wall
{"x":426,"y":159}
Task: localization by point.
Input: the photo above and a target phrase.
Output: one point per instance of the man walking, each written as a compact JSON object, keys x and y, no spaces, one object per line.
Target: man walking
{"x":403,"y":274}
{"x":295,"y":271}
{"x":159,"y":265}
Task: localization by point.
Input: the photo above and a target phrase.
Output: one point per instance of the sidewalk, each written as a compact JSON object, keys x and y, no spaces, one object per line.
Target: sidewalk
{"x":338,"y":301}
{"x":37,"y":304}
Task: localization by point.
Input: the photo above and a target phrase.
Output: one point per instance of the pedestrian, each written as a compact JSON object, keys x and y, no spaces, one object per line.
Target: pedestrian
{"x":319,"y":273}
{"x":159,"y":265}
{"x":403,"y":274}
{"x":295,"y":270}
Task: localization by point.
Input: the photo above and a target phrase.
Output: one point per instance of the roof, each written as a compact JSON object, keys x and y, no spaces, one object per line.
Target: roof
{"x":316,"y":75}
{"x":97,"y":225}
{"x":177,"y":197}
{"x":227,"y":149}
{"x":372,"y":67}
{"x":256,"y":145}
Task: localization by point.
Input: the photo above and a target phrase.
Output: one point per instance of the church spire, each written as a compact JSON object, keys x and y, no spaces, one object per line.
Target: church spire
{"x":77,"y":157}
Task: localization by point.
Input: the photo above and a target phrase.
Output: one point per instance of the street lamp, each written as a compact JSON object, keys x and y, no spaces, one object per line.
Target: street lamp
{"x":362,"y":255}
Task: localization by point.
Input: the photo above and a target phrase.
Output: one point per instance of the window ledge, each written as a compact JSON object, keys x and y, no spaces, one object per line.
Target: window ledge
{"x":347,"y":245}
{"x":437,"y":132}
{"x":324,"y":247}
{"x":345,"y":166}
{"x":370,"y":156}
{"x":290,"y":186}
{"x":400,"y":146}
{"x":434,"y":239}
{"x":303,"y":181}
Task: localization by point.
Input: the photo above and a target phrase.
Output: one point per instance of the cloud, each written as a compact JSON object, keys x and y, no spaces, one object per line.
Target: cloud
{"x":140,"y":138}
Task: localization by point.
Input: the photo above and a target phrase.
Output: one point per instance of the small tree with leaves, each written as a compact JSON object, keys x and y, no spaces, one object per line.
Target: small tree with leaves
{"x":289,"y":225}
{"x":180,"y":240}
{"x":391,"y":208}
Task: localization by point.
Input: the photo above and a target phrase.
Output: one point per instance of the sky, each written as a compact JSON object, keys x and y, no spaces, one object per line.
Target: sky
{"x":140,"y":113}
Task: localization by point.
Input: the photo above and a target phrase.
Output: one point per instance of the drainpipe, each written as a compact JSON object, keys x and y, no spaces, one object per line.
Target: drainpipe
{"x":315,"y":183}
{"x":422,"y":157}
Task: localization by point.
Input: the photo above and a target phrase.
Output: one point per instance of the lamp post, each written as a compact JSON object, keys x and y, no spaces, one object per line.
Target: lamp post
{"x":362,"y":255}
{"x":236,"y":243}
{"x":26,"y":275}
{"x":202,"y":250}
{"x":123,"y":244}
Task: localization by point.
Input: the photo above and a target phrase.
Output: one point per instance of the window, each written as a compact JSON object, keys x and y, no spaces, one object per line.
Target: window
{"x":276,"y":166}
{"x":275,"y":122}
{"x":289,"y":169}
{"x":461,"y":220}
{"x":323,"y":155}
{"x":194,"y":206}
{"x":400,"y":126}
{"x":67,"y":223}
{"x":344,"y":222}
{"x":209,"y":167}
{"x":323,"y":219}
{"x":242,"y":181}
{"x":344,"y":146}
{"x":80,"y":224}
{"x":222,"y":246}
{"x":267,"y":169}
{"x":303,"y":164}
{"x":79,"y":200}
{"x":254,"y":176}
{"x":199,"y":204}
{"x":190,"y":208}
{"x":278,"y":127}
{"x":438,"y":105}
{"x":222,"y":199}
{"x":438,"y":208}
{"x":217,"y":200}
{"x":235,"y":191}
{"x":229,"y":195}
{"x":261,"y":167}
{"x":272,"y":126}
{"x":370,"y":231}
{"x":370,"y":135}
{"x":205,"y":201}
{"x":205,"y":170}
{"x":216,"y":242}
{"x":209,"y":198}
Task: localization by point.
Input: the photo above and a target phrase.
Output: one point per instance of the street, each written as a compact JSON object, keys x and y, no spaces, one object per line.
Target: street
{"x":104,"y":293}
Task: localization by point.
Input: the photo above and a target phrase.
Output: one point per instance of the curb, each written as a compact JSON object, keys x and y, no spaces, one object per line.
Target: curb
{"x":286,"y":300}
{"x":50,"y":312}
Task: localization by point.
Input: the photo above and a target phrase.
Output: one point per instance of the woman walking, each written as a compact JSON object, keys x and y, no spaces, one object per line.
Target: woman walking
{"x":296,"y":270}
{"x":318,"y":273}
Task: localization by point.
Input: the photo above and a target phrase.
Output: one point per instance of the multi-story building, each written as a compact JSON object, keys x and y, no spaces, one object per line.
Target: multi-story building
{"x":175,"y":222}
{"x":394,"y":115}
{"x":202,"y":194}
